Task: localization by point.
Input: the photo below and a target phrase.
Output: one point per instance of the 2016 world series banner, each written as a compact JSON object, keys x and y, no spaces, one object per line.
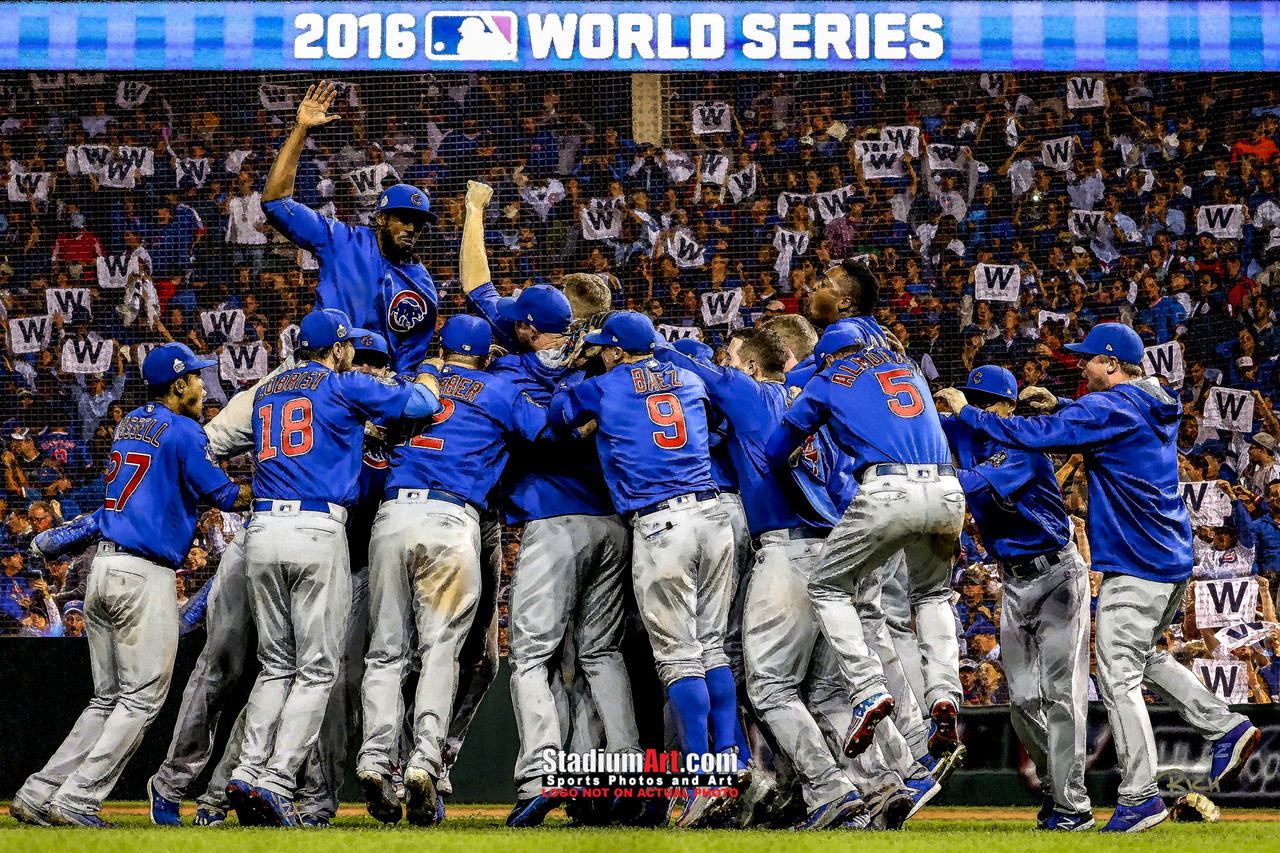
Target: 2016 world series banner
{"x":990,"y":36}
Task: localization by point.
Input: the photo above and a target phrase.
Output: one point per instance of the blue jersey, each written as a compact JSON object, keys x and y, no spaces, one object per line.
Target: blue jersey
{"x":463,"y":449}
{"x":1013,"y":495}
{"x":396,"y":300}
{"x":160,"y":468}
{"x":722,"y":470}
{"x":484,"y":301}
{"x":360,"y":515}
{"x":755,"y":410}
{"x":1138,"y":524}
{"x":878,"y":409}
{"x":308,"y":428}
{"x":824,"y":473}
{"x":652,"y":437}
{"x":552,"y":476}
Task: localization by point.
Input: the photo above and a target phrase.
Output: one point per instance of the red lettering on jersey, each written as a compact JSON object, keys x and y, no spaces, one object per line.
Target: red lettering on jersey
{"x":639,"y":379}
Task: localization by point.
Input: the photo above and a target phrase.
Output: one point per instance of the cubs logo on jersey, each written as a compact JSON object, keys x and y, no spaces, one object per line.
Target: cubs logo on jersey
{"x":375,"y":457}
{"x":406,"y":311}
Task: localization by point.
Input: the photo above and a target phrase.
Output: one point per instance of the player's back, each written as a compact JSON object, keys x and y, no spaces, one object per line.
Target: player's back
{"x":653,"y":436}
{"x":150,"y":505}
{"x":463,"y":449}
{"x":881,"y":410}
{"x":308,"y":428}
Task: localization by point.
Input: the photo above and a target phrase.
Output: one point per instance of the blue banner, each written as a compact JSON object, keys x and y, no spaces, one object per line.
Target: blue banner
{"x":749,"y":36}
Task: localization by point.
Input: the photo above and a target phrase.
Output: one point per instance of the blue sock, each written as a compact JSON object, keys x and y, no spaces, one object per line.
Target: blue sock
{"x":691,"y":705}
{"x":726,"y":731}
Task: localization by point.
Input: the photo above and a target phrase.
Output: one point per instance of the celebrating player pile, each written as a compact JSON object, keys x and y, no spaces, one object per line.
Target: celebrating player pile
{"x":788,"y":521}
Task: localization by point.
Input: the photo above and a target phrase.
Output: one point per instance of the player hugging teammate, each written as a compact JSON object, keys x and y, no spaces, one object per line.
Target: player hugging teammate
{"x":781,"y":527}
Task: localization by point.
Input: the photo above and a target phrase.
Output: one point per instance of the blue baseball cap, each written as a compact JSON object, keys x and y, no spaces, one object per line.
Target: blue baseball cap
{"x":1114,"y":339}
{"x":630,"y":330}
{"x":324,"y":327}
{"x":466,"y":335}
{"x":995,"y":381}
{"x":694,"y":348}
{"x":165,"y":364}
{"x":367,"y":341}
{"x":73,"y":606}
{"x":836,"y":338}
{"x":542,"y":306}
{"x":407,"y":197}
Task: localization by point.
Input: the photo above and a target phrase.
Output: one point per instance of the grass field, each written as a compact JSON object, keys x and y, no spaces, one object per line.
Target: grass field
{"x":479,"y":829}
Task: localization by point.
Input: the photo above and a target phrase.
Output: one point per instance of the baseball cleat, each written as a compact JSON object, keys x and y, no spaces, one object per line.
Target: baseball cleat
{"x":25,"y":812}
{"x":315,"y":821}
{"x":922,"y":790}
{"x":654,"y":812}
{"x":866,"y":716}
{"x":532,"y":811}
{"x":276,"y":809}
{"x":703,"y":811}
{"x":58,"y":817}
{"x":379,"y":796}
{"x":1047,"y":808}
{"x":1137,"y":818}
{"x":443,"y":786}
{"x":588,"y":811}
{"x":1068,"y":822}
{"x":944,"y":738}
{"x":420,"y":797}
{"x":895,"y":808}
{"x":835,"y":813}
{"x":246,"y":808}
{"x":942,"y":768}
{"x":1232,"y":751}
{"x":206,"y":816}
{"x":753,"y":804}
{"x":164,"y":812}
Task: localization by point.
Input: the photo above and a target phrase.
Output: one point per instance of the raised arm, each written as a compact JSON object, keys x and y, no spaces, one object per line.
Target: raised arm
{"x":473,"y":262}
{"x":312,"y":112}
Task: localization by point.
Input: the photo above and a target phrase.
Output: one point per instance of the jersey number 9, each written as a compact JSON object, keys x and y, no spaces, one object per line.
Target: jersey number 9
{"x":665,"y":411}
{"x":296,"y":435}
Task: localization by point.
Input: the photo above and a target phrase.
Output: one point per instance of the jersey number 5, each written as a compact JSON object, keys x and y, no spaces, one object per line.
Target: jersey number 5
{"x":140,"y":462}
{"x":904,"y":400}
{"x":665,"y":411}
{"x":296,"y":435}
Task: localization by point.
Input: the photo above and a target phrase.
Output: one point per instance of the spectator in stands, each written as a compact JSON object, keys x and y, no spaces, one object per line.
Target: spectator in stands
{"x":93,"y":398}
{"x":73,"y":619}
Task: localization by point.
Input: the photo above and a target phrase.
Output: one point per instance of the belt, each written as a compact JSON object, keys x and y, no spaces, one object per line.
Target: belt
{"x":728,"y":490}
{"x":334,"y":511}
{"x":885,"y":469}
{"x":420,"y":495}
{"x":107,"y":547}
{"x":677,"y":501}
{"x":1031,"y":566}
{"x":802,"y":532}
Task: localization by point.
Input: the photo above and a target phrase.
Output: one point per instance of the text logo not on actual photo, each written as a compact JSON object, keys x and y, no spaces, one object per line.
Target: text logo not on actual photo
{"x":472,"y":36}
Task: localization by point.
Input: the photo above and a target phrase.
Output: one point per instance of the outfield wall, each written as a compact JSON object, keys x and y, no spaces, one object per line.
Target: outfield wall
{"x":46,"y":684}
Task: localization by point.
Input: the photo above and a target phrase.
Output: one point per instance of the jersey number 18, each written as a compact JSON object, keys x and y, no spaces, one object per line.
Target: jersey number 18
{"x":296,"y":436}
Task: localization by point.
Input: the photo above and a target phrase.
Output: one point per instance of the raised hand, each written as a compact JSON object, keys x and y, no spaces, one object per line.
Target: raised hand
{"x":314,"y":109}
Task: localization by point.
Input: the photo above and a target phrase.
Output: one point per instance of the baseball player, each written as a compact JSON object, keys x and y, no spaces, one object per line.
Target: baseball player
{"x":879,"y":412}
{"x":777,"y":637}
{"x":370,"y":274}
{"x":308,"y":426}
{"x":159,"y":470}
{"x":557,"y":490}
{"x":1126,"y":428}
{"x":1044,"y":628}
{"x":425,"y":556}
{"x":655,"y":452}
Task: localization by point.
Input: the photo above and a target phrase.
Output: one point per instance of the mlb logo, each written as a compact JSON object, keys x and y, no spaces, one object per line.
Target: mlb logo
{"x":472,"y":36}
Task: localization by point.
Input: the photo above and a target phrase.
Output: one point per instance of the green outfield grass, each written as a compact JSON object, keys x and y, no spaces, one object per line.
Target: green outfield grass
{"x":479,"y":829}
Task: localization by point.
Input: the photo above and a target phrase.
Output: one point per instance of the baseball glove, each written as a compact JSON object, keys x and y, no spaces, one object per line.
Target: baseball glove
{"x":1195,"y":808}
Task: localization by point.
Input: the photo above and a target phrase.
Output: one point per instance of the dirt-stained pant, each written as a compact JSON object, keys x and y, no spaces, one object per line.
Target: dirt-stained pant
{"x":1044,"y":642}
{"x":919,"y":514}
{"x":131,"y":619}
{"x":424,"y":566}
{"x":570,"y":569}
{"x":299,"y":576}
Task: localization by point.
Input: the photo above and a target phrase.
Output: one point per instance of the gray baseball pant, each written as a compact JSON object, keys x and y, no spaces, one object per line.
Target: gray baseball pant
{"x":919,"y":514}
{"x":299,"y":576}
{"x":682,"y":570}
{"x":1132,"y":614}
{"x":896,"y":604}
{"x":1044,"y":641}
{"x":424,"y":566}
{"x":743,"y":556}
{"x":229,"y":638}
{"x":779,"y":632}
{"x":570,"y":569}
{"x":131,"y":618}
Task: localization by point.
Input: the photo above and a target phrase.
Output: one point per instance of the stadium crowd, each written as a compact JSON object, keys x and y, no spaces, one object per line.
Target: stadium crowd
{"x":130,"y":216}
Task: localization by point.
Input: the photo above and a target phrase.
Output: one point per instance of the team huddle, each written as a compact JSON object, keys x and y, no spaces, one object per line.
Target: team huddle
{"x":787,"y":521}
